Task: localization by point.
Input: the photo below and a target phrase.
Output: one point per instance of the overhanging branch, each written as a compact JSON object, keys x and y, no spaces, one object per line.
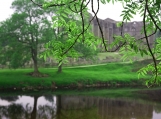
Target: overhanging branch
{"x":54,"y":5}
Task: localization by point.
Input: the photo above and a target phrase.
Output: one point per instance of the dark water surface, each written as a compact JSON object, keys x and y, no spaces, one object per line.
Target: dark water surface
{"x":76,"y":107}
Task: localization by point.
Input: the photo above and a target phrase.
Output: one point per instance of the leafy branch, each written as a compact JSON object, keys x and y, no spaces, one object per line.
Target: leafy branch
{"x":149,"y":9}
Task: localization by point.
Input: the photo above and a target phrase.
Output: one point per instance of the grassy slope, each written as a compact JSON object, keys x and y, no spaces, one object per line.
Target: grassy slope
{"x":116,"y":56}
{"x":112,"y":72}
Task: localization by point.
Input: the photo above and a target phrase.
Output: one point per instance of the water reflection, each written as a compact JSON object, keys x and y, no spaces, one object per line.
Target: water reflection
{"x":75,"y":107}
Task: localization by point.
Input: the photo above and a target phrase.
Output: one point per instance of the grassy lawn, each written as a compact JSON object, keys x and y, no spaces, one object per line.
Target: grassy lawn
{"x":116,"y":57}
{"x":111,"y":73}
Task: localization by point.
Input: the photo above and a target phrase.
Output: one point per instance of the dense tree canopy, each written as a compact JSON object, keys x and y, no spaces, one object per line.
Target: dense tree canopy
{"x":24,"y":34}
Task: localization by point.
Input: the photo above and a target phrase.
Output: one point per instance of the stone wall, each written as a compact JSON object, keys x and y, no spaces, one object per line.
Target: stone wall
{"x":110,"y":29}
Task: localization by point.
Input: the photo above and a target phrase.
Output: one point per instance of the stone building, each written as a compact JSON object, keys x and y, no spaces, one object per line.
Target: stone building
{"x":109,"y":28}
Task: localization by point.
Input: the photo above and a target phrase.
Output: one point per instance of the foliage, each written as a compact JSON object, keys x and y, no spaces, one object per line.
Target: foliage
{"x":24,"y":33}
{"x":87,"y":52}
{"x":68,"y":38}
{"x":148,"y":9}
{"x":12,"y":51}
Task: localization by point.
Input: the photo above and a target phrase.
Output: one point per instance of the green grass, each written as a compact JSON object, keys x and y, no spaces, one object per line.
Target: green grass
{"x":112,"y":73}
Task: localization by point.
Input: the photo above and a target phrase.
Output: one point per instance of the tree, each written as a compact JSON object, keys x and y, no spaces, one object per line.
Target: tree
{"x":12,"y":51}
{"x":86,"y":52}
{"x":66,"y":41}
{"x":149,"y":9}
{"x":26,"y":32}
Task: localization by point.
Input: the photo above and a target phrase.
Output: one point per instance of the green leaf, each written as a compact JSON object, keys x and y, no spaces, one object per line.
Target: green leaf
{"x":135,"y":48}
{"x":141,"y":52}
{"x":108,"y":1}
{"x":129,"y":15}
{"x":103,"y":1}
{"x":45,"y":56}
{"x":145,"y":52}
{"x":128,"y":5}
{"x":138,"y":75}
{"x":119,"y":24}
{"x":134,"y":13}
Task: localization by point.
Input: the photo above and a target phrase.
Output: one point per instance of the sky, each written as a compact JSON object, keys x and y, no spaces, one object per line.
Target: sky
{"x":113,"y":11}
{"x":5,"y":10}
{"x":105,"y":11}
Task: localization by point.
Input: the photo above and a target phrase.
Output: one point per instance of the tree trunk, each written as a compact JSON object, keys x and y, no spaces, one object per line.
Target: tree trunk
{"x":36,"y":72}
{"x":34,"y":111}
{"x":34,"y":58}
{"x":60,"y":67}
{"x":35,"y":65}
{"x":58,"y":114}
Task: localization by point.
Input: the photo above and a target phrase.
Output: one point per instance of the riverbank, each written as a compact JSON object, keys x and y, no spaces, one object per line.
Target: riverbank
{"x":107,"y":75}
{"x":143,"y":93}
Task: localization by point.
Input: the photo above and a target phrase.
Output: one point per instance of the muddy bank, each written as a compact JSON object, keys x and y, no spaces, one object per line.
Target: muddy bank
{"x":77,"y":85}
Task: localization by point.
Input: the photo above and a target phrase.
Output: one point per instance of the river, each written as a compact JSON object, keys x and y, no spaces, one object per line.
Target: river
{"x":76,"y":107}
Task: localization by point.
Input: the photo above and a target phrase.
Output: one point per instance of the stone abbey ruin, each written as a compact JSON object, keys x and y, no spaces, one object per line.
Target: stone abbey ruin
{"x":110,"y":29}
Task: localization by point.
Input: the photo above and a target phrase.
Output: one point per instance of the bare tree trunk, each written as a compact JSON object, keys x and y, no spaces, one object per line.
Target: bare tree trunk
{"x":60,"y":67}
{"x":34,"y":111}
{"x":58,"y":107}
{"x":35,"y":65}
{"x":36,"y":72}
{"x":34,"y":58}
